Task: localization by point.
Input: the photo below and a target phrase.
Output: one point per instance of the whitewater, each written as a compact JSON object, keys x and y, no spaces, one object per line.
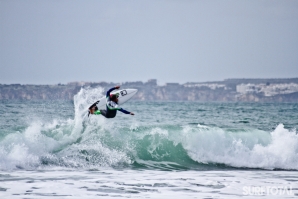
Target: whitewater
{"x":168,"y":149}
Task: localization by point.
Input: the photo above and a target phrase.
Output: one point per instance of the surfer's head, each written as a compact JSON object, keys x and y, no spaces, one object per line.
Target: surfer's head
{"x":114,"y":98}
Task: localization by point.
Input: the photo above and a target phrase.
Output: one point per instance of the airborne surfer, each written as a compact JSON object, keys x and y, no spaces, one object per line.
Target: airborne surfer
{"x":111,"y":106}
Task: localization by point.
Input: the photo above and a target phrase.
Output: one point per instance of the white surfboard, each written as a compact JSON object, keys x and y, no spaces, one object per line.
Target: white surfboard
{"x":123,"y":96}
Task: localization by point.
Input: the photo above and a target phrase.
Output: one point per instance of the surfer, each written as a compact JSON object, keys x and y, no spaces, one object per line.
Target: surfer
{"x":111,"y":106}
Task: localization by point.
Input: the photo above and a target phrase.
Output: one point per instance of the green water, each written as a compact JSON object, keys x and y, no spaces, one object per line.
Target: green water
{"x":161,"y":135}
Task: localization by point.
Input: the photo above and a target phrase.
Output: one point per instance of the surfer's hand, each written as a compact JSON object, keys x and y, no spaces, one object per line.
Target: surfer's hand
{"x":117,"y":87}
{"x":132,"y":113}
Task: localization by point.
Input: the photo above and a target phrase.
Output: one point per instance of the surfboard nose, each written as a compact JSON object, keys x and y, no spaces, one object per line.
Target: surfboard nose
{"x":133,"y":90}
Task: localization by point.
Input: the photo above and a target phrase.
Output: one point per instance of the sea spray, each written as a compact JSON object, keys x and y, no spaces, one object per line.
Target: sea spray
{"x":162,"y":135}
{"x":250,"y":149}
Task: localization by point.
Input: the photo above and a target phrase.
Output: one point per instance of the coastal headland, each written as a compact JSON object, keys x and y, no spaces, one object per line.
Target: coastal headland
{"x":229,"y":90}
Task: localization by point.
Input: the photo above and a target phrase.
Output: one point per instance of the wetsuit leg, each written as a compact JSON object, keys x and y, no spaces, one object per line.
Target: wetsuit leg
{"x":104,"y":113}
{"x":111,"y":113}
{"x":108,"y":113}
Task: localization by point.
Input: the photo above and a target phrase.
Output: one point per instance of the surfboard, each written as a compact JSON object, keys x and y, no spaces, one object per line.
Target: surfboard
{"x":123,"y":96}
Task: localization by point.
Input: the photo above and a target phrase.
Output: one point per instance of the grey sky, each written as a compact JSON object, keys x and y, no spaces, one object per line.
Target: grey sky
{"x":59,"y":41}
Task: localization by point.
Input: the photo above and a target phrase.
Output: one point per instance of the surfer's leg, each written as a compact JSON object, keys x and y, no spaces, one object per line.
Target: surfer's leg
{"x":103,"y":112}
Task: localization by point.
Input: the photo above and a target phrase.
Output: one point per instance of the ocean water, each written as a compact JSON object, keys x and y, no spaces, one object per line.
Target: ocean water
{"x":51,"y":149}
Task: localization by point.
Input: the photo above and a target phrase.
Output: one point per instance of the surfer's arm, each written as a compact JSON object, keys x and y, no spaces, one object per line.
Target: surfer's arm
{"x":124,"y":111}
{"x":111,"y":89}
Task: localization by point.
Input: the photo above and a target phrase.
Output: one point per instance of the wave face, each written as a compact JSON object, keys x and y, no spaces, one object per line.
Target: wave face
{"x":163,"y":136}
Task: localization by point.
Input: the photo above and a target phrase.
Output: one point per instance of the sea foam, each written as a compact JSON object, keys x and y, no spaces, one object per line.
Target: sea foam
{"x":94,"y":142}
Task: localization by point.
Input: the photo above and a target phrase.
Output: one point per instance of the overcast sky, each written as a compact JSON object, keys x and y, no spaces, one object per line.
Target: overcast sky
{"x":59,"y":41}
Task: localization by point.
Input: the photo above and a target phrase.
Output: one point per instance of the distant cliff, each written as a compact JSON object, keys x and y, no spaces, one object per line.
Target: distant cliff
{"x":231,"y":90}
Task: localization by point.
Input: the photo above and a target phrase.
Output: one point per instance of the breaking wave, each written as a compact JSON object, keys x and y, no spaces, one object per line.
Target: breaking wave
{"x":95,"y":142}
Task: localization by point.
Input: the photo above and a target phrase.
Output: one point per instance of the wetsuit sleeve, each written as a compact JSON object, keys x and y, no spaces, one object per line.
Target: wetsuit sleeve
{"x":109,"y":91}
{"x":124,"y":111}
